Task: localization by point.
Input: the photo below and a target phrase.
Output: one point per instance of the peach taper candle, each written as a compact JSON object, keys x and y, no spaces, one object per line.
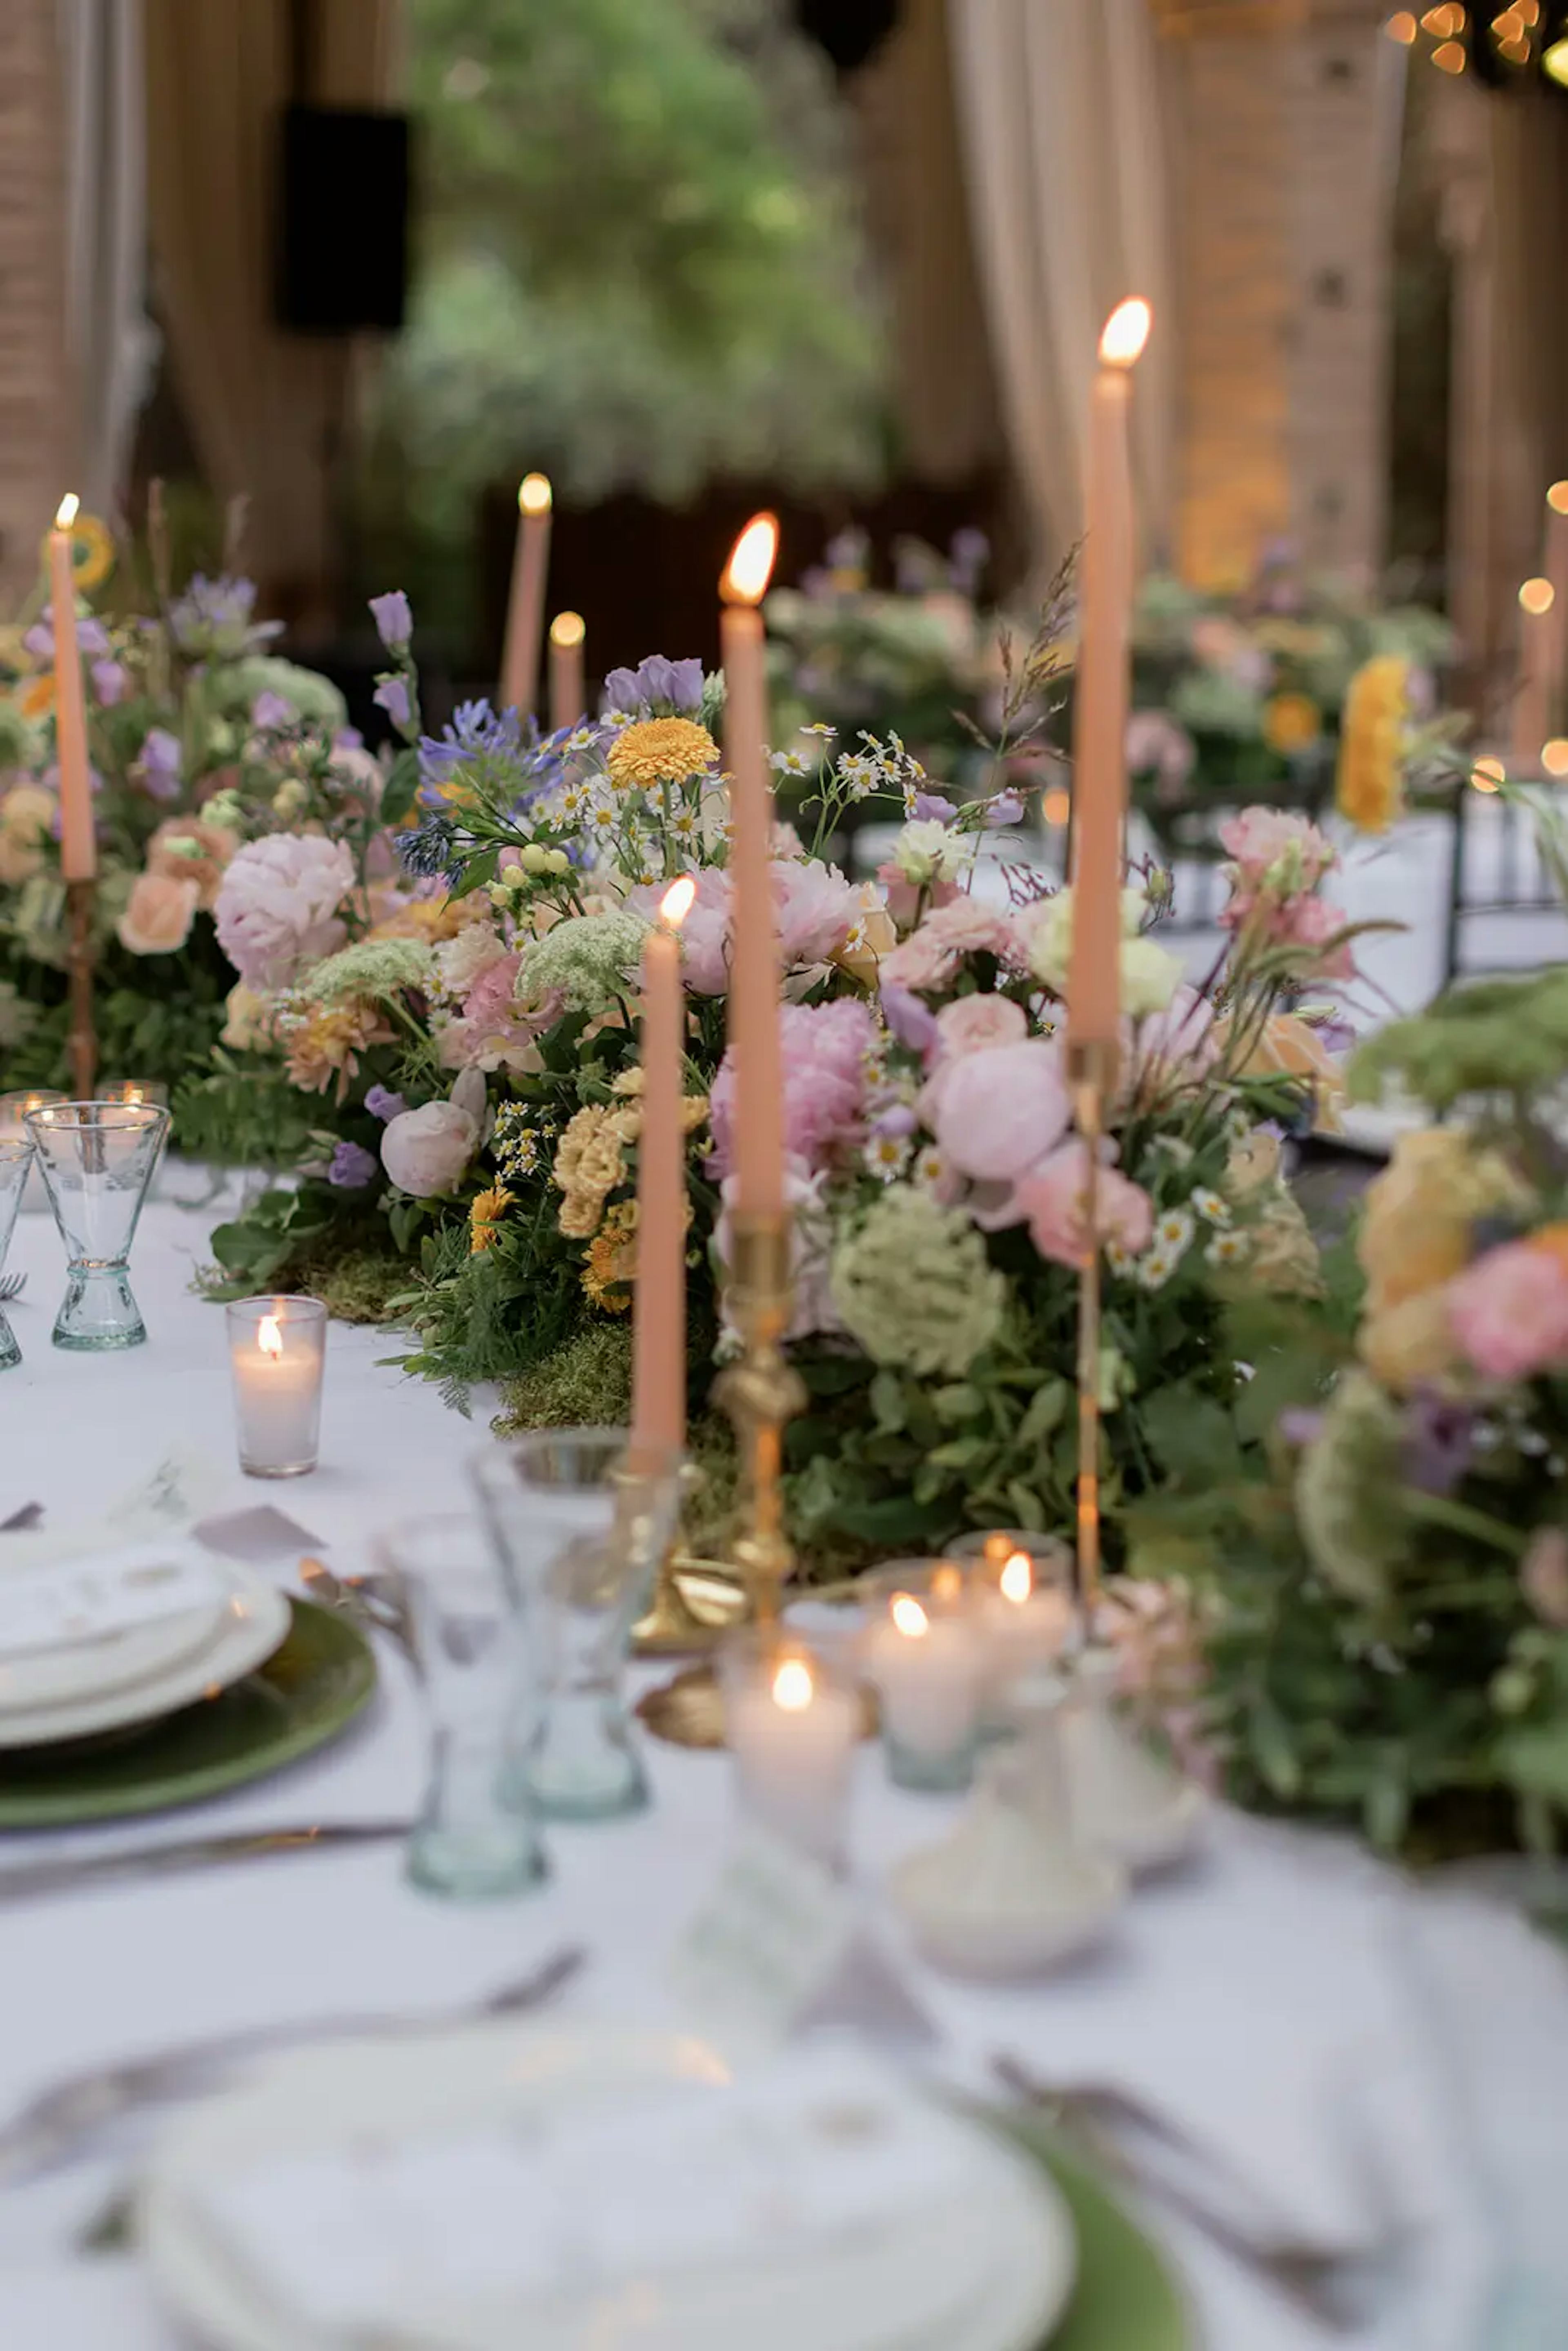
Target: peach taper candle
{"x":526,"y":605}
{"x":659,"y":1328}
{"x":754,"y":969}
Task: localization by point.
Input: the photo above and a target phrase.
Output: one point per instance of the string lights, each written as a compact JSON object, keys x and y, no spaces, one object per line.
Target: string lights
{"x":1507,"y":43}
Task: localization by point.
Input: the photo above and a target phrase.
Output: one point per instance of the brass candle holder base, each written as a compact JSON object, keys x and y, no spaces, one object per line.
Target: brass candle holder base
{"x":694,"y":1603}
{"x":760,"y":1392}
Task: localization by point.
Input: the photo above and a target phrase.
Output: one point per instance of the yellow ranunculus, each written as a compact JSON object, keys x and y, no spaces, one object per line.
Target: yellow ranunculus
{"x":1292,"y":722}
{"x":1416,"y":1234}
{"x":1409,"y":1345}
{"x":1369,"y":787}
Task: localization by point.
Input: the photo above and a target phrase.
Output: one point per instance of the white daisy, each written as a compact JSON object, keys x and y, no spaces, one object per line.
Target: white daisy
{"x":856,"y":775}
{"x":1174,"y":1230}
{"x":818,"y":727}
{"x":885,"y":1156}
{"x":1119,"y":1259}
{"x":790,"y":763}
{"x":583,"y":739}
{"x":930,"y":1168}
{"x":683,"y":824}
{"x":1178,"y":1151}
{"x":617,"y":718}
{"x":572,"y":803}
{"x":1211,"y":1206}
{"x":1155,"y":1268}
{"x":1226,"y":1248}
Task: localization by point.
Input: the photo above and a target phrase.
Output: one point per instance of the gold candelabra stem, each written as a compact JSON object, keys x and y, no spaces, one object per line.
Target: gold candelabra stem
{"x":1091,"y":1072}
{"x":82,"y":1043}
{"x":759,"y":1392}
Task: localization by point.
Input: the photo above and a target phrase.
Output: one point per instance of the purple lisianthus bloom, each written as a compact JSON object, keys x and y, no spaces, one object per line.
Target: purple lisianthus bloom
{"x":160,"y":763}
{"x":382,"y":1104}
{"x":934,"y":807}
{"x":353,"y":1166}
{"x":670,"y":688}
{"x":39,"y":640}
{"x":394,"y":619}
{"x":898,"y":1119}
{"x":912,"y":1023}
{"x":970,"y":550}
{"x":269,"y":711}
{"x":110,"y":680}
{"x":92,"y":639}
{"x":1440,"y":1442}
{"x":1006,"y":808}
{"x":391,"y":695}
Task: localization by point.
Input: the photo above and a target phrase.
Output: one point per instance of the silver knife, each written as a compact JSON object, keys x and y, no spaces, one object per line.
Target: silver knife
{"x":63,"y":1875}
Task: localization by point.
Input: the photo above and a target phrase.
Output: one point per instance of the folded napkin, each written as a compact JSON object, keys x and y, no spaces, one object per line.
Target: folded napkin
{"x":459,"y":2234}
{"x":57,"y":1607}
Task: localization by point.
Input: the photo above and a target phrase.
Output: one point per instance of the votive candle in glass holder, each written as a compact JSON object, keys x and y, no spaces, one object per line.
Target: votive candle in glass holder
{"x":792,"y":1724}
{"x":133,"y":1089}
{"x":1024,"y":1607}
{"x":278,"y":1349}
{"x":927,"y":1658}
{"x":14,"y":1109}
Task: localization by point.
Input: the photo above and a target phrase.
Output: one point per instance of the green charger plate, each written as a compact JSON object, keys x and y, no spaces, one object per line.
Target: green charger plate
{"x":307,"y":1691}
{"x":1128,"y":2295}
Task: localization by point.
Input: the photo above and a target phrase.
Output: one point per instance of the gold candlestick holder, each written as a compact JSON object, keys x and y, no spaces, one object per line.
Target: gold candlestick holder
{"x":1090,"y":1075}
{"x":695,"y":1600}
{"x":81,"y":1042}
{"x":760,"y":1393}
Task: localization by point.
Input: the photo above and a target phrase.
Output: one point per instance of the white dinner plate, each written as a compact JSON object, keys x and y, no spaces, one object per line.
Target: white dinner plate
{"x":242,"y":1633}
{"x":109,"y":1661}
{"x":988,"y":2267}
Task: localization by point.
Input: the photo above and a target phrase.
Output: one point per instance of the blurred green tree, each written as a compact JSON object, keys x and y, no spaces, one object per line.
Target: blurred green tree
{"x":640,"y":263}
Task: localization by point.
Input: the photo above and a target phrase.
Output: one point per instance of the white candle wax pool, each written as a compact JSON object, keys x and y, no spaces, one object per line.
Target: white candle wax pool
{"x":793,"y":1738}
{"x":928,"y":1670}
{"x":277,"y":1365}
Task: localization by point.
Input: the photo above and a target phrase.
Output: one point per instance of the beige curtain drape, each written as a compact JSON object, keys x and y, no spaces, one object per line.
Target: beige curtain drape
{"x":110,"y":343}
{"x":1058,"y":106}
{"x":263,"y":407}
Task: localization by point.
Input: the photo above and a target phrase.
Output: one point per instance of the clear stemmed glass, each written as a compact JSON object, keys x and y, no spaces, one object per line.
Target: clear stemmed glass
{"x":580,"y":1522}
{"x":15,"y":1159}
{"x":472,"y":1840}
{"x":96,"y":1160}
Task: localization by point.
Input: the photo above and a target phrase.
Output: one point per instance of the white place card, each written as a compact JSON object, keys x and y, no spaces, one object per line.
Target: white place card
{"x":777,"y":1945}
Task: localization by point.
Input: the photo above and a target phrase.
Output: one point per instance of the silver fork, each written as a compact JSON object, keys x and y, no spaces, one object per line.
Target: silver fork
{"x":57,"y":2125}
{"x":367,"y":1600}
{"x":12,"y":1285}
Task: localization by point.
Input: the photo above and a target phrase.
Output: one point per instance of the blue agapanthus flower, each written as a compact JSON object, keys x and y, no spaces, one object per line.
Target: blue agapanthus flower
{"x":212,"y":620}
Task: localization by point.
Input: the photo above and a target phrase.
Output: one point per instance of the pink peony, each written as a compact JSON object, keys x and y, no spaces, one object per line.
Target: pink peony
{"x":810,"y":1250}
{"x":996,"y":1117}
{"x":1056,"y":1204}
{"x":823,"y":1048}
{"x":1259,"y":837}
{"x":425,"y":1151}
{"x":964,"y":925}
{"x":158,"y":915}
{"x":978,"y":1024}
{"x":903,"y":896}
{"x":816,"y":910}
{"x":277,"y":905}
{"x":494,"y":1030}
{"x":1175,"y":1046}
{"x":1509,"y":1311}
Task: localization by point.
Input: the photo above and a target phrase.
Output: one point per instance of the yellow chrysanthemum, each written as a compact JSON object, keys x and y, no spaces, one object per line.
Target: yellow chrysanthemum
{"x":92,"y":551}
{"x":326,"y":1043}
{"x":1369,"y":786}
{"x":612,"y":1266}
{"x":661,"y":751}
{"x":587,"y":1165}
{"x":1292,"y":722}
{"x":484,"y":1215}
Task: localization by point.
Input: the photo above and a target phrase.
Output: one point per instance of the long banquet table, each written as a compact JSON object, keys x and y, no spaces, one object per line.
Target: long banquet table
{"x":1255,"y":1994}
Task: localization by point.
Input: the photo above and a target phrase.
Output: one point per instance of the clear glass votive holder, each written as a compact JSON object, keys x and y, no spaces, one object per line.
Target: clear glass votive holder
{"x":927,"y":1655}
{"x":792,"y":1722}
{"x":96,"y":1160}
{"x":579,"y":1521}
{"x":16,"y":1161}
{"x":476,"y":1839}
{"x":277,"y":1355}
{"x":1021,"y":1587}
{"x":14,"y":1109}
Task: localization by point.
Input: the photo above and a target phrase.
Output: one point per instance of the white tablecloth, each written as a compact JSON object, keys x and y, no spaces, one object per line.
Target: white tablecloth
{"x":1254,"y":1993}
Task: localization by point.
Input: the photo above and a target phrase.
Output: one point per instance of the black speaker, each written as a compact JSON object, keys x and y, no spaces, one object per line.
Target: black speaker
{"x":342,"y":227}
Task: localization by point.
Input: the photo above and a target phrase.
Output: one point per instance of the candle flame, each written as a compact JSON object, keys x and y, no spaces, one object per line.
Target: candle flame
{"x":909,"y":1616}
{"x":1537,"y":596}
{"x":677,"y":903}
{"x":534,"y":494}
{"x":568,"y":629}
{"x":67,"y":512}
{"x":269,"y":1337}
{"x":751,"y":565}
{"x":1557,"y":497}
{"x":793,"y":1688}
{"x":946,"y":1583}
{"x":1126,"y":332}
{"x":1018,"y":1578}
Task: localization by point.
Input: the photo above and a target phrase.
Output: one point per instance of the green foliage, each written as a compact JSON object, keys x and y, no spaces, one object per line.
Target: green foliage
{"x":641,"y":262}
{"x":1498,"y":1039}
{"x":243,"y":1113}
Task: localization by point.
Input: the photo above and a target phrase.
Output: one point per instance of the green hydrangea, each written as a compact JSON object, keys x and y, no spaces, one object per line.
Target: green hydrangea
{"x":914,"y":1285}
{"x":373,"y":968}
{"x":592,"y":958}
{"x":1347,"y":1492}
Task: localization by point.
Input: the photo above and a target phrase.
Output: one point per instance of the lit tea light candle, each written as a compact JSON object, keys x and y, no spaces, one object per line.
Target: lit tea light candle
{"x":1027,"y":1625}
{"x":278,"y":1353}
{"x":134,"y":1091}
{"x":793,"y":1733}
{"x":928,"y":1665}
